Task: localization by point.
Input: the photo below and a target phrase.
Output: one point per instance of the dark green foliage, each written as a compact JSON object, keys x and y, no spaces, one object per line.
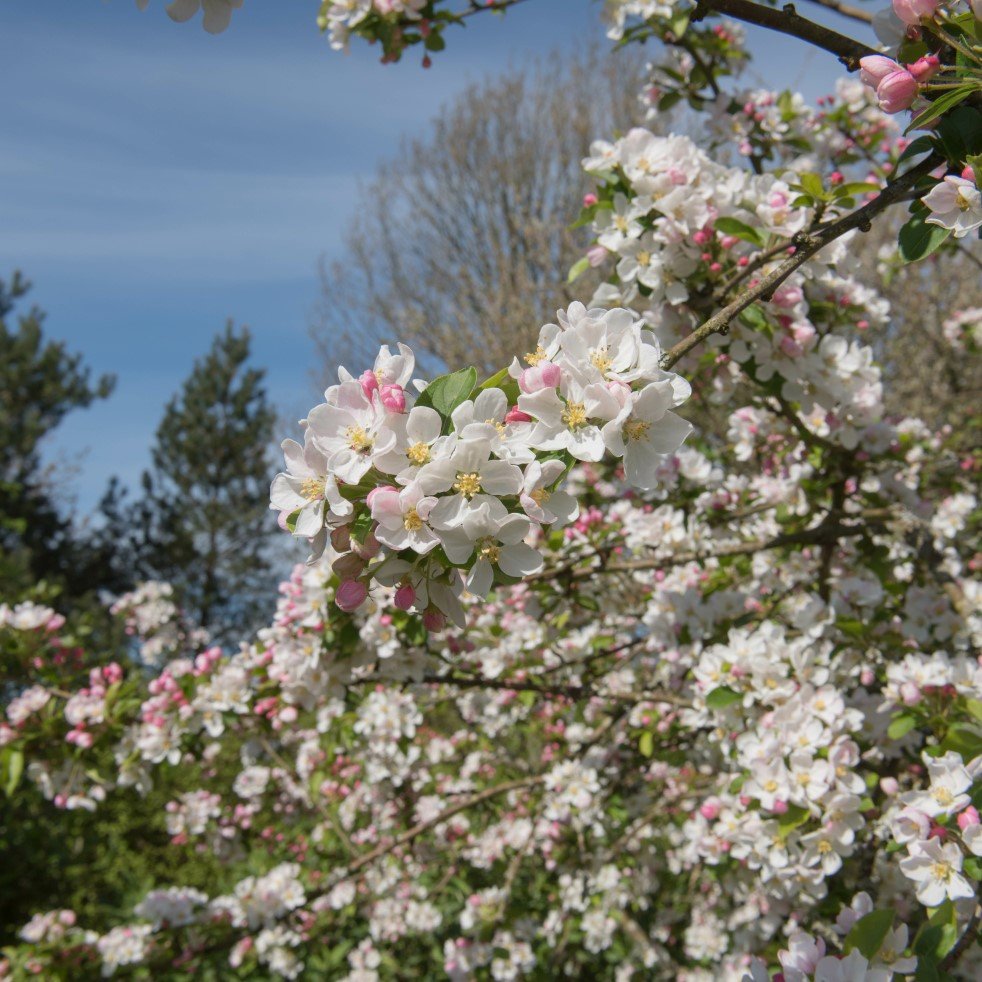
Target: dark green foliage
{"x":40,"y":383}
{"x":204,"y":521}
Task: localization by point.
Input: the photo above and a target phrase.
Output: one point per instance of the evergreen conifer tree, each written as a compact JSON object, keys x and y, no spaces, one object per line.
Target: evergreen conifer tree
{"x":204,"y":521}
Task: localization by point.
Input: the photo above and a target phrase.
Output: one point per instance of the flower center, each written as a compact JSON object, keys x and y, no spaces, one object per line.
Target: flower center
{"x":540,"y":496}
{"x":942,"y":871}
{"x":500,"y":427}
{"x":574,"y":415}
{"x":644,"y":258}
{"x":600,"y":360}
{"x":358,"y":439}
{"x":636,"y":429}
{"x":825,"y":847}
{"x":468,"y":484}
{"x":490,"y":550}
{"x":418,"y":453}
{"x":942,"y":796}
{"x":313,"y":488}
{"x":770,"y":785}
{"x":534,"y":357}
{"x":620,"y":223}
{"x":411,"y":521}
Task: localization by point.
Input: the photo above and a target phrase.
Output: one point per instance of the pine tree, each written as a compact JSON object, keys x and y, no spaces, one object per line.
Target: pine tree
{"x":204,"y":518}
{"x":40,"y":383}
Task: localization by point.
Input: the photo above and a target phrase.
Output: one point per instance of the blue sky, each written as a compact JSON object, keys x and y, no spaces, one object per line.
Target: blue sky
{"x":156,"y":180}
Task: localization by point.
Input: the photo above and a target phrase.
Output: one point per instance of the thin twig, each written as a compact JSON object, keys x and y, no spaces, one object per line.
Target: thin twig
{"x":806,"y":245}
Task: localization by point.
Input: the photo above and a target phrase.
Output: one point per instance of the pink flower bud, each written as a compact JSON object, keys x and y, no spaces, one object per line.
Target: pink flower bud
{"x":897,"y":92}
{"x":393,"y":398}
{"x":369,"y":383}
{"x":889,"y":786}
{"x":545,"y":375}
{"x":433,"y":620}
{"x":925,"y":68}
{"x":701,"y":237}
{"x":875,"y":68}
{"x":351,"y":595}
{"x":589,"y":199}
{"x":341,"y":538}
{"x":515,"y":415}
{"x":968,"y":818}
{"x":912,"y":12}
{"x":709,"y":810}
{"x":728,"y":241}
{"x":374,"y":492}
{"x":405,"y":597}
{"x":968,"y":174}
{"x":348,"y":566}
{"x":596,"y":255}
{"x":780,"y":807}
{"x":910,"y":694}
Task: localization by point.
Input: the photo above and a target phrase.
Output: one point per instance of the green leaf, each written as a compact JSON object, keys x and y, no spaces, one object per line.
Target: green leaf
{"x":15,"y":767}
{"x":974,"y":707}
{"x":938,"y":936}
{"x":973,"y":867}
{"x":963,"y":738}
{"x":646,"y":745}
{"x":869,"y":932}
{"x":361,"y":525}
{"x":960,"y":133}
{"x":855,"y":187}
{"x":292,"y":518}
{"x":494,"y":381}
{"x":733,"y":226}
{"x":940,"y":106}
{"x":916,"y":147}
{"x":435,"y":42}
{"x":446,"y":393}
{"x":722,"y":697}
{"x":901,"y":725}
{"x":791,"y":819}
{"x":918,"y":239}
{"x":812,"y":184}
{"x":578,"y":269}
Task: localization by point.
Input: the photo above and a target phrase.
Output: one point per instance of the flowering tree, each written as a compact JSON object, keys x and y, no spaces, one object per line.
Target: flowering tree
{"x":567,"y":685}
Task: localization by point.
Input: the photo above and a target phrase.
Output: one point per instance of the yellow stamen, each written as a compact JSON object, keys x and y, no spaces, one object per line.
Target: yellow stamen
{"x":636,"y":429}
{"x":358,"y":439}
{"x":601,"y":360}
{"x":644,"y":258}
{"x":540,"y":496}
{"x":418,"y":454}
{"x":534,"y":357}
{"x":490,"y":550}
{"x":574,"y":415}
{"x":312,"y":488}
{"x":468,"y":484}
{"x":411,"y":521}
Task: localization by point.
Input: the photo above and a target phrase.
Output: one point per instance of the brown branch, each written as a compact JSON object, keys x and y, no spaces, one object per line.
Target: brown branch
{"x":806,"y":245}
{"x":788,"y":21}
{"x":448,"y":813}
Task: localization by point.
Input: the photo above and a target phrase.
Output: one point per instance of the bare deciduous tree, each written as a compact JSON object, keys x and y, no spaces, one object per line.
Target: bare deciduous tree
{"x":462,"y":243}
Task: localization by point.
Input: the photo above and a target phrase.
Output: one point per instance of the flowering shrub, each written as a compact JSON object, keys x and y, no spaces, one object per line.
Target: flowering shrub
{"x":571,"y":685}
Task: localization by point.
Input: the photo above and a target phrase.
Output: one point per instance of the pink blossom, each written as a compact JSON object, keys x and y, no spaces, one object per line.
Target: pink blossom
{"x":912,"y":12}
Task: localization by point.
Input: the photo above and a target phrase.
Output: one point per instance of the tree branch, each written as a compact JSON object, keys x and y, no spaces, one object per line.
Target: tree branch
{"x":787,"y":20}
{"x":806,"y":245}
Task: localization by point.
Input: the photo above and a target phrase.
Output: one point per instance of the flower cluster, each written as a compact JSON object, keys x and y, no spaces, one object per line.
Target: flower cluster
{"x":439,"y":494}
